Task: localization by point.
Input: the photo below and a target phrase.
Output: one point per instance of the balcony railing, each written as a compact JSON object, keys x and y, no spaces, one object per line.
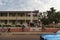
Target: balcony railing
{"x":17,"y":18}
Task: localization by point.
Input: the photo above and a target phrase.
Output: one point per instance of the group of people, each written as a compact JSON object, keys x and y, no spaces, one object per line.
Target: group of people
{"x":7,"y":30}
{"x":23,"y":26}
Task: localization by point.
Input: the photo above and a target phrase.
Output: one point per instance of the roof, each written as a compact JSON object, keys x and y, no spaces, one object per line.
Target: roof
{"x":19,"y":11}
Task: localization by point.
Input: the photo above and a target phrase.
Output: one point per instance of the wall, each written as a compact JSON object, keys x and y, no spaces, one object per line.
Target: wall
{"x":19,"y":29}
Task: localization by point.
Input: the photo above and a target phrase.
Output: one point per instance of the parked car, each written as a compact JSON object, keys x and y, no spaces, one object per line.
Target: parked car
{"x":52,"y":36}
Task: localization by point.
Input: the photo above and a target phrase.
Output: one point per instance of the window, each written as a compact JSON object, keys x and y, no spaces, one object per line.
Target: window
{"x":21,"y":14}
{"x":32,"y":25}
{"x":3,"y":14}
{"x":12,"y":14}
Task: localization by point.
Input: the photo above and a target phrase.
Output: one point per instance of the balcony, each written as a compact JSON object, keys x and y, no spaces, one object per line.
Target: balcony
{"x":18,"y":18}
{"x":7,"y":18}
{"x":26,"y":18}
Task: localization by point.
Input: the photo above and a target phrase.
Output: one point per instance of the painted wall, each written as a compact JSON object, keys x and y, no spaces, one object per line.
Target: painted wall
{"x":19,"y":29}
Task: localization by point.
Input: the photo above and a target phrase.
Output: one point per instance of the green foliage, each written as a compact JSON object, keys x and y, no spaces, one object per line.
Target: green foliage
{"x":0,"y":25}
{"x":49,"y":26}
{"x":52,"y":16}
{"x":57,"y":27}
{"x":44,"y":21}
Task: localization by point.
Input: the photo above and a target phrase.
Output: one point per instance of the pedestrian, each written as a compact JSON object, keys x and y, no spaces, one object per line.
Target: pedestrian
{"x":23,"y":26}
{"x":8,"y":29}
{"x":2,"y":28}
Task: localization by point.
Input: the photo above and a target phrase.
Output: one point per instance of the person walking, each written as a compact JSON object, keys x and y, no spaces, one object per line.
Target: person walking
{"x":8,"y":29}
{"x":2,"y":28}
{"x":23,"y":26}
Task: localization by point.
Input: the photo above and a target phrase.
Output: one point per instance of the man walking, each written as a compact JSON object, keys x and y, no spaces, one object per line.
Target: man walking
{"x":2,"y":28}
{"x":8,"y":29}
{"x":23,"y":26}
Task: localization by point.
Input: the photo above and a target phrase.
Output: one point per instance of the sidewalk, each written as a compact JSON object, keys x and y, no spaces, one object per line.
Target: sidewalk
{"x":24,"y":33}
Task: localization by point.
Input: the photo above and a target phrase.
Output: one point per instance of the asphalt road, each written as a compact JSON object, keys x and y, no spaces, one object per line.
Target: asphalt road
{"x":18,"y":37}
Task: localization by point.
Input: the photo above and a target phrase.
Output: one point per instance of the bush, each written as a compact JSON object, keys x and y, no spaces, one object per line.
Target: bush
{"x":49,"y":26}
{"x":7,"y":25}
{"x":18,"y":26}
{"x":0,"y":25}
{"x":57,"y":27}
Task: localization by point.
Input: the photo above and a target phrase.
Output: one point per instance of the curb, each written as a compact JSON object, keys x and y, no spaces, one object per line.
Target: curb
{"x":25,"y":33}
{"x":30,"y":33}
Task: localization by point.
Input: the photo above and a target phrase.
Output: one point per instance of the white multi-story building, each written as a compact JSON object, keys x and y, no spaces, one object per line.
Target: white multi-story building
{"x":14,"y":18}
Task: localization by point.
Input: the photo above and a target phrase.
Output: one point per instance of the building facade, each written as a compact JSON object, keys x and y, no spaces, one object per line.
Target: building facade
{"x":16,"y":18}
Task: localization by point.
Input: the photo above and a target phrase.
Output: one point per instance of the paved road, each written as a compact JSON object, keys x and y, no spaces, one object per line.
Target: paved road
{"x":18,"y":37}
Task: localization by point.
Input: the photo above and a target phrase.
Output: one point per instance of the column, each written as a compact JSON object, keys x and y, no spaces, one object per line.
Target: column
{"x":16,"y":18}
{"x":31,"y":15}
{"x":8,"y":18}
{"x":25,"y":17}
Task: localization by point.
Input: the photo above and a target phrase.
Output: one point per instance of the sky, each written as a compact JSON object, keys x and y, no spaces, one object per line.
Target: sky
{"x":24,"y":5}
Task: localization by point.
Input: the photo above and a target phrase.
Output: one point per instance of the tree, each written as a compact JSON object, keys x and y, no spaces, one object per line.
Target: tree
{"x":44,"y":21}
{"x":52,"y":16}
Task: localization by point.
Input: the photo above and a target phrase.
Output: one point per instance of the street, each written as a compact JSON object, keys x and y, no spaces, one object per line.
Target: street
{"x":18,"y":37}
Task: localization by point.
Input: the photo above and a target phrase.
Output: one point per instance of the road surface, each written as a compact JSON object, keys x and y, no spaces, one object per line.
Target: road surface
{"x":18,"y":37}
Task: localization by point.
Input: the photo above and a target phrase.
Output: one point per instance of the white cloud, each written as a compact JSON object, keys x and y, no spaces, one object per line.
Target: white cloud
{"x":1,"y":2}
{"x":41,"y":5}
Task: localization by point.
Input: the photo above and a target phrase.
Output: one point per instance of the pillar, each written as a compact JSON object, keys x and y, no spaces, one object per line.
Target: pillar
{"x":31,"y":15}
{"x":8,"y":18}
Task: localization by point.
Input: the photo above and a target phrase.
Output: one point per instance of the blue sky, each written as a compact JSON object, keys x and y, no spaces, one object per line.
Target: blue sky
{"x":21,"y":5}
